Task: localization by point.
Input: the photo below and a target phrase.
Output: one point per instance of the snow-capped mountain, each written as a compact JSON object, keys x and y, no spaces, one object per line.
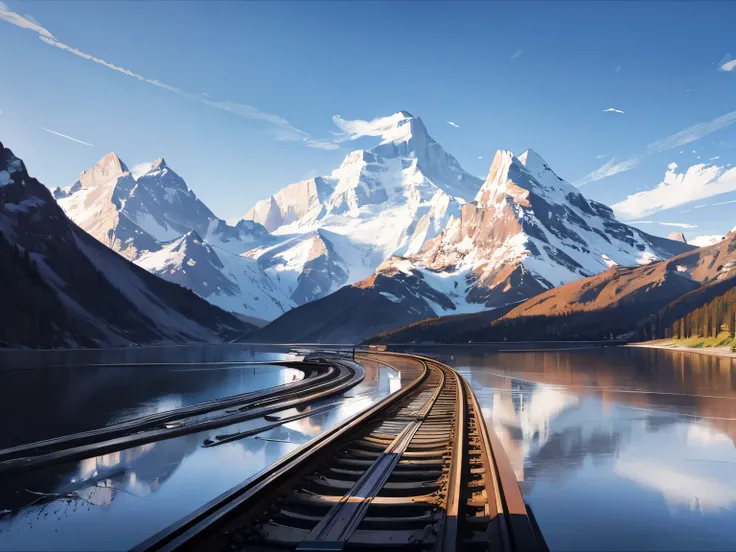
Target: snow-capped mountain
{"x":526,"y":231}
{"x":61,"y":287}
{"x":326,"y":232}
{"x":384,"y":201}
{"x":403,"y":209}
{"x":408,"y":171}
{"x":133,"y":216}
{"x":160,"y":224}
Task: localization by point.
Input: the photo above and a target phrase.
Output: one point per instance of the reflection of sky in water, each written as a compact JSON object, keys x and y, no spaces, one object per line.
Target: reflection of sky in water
{"x":116,"y":500}
{"x":88,"y":396}
{"x":652,"y":468}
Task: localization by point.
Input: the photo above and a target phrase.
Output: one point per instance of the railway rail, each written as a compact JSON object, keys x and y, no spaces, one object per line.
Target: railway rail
{"x":325,"y":375}
{"x":417,"y":471}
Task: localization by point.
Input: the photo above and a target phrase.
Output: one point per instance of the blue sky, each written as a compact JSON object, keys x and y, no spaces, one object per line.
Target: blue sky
{"x":257,"y":85}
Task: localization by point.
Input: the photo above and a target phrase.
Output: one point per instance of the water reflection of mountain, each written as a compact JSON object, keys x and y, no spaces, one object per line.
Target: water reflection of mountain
{"x":97,"y":481}
{"x":552,"y":411}
{"x":686,"y":384}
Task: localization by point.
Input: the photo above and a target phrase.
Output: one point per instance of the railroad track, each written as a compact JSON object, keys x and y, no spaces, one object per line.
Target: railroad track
{"x":417,"y":471}
{"x":326,"y":375}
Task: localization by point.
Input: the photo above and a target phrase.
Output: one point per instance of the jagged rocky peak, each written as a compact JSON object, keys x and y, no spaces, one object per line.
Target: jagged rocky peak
{"x":160,"y":175}
{"x":677,"y":236}
{"x":517,"y":177}
{"x":9,"y":164}
{"x":158,"y":168}
{"x":159,"y":164}
{"x":107,"y":169}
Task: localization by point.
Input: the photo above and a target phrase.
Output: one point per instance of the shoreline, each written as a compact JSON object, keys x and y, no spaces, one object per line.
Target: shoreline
{"x":722,"y":352}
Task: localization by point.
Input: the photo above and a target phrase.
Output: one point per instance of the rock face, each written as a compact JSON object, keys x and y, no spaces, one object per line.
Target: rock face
{"x":132,"y":216}
{"x":677,"y":236}
{"x":528,"y":230}
{"x":61,"y":287}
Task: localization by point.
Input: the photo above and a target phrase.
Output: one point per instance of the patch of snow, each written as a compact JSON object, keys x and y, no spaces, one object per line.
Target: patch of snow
{"x":391,"y":297}
{"x":5,"y":178}
{"x":646,"y":257}
{"x":608,"y":261}
{"x":161,"y":232}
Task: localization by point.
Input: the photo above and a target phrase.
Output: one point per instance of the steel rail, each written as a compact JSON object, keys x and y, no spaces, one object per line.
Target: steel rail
{"x":347,"y":376}
{"x":314,"y":372}
{"x":450,"y":526}
{"x":419,"y":470}
{"x":257,"y":491}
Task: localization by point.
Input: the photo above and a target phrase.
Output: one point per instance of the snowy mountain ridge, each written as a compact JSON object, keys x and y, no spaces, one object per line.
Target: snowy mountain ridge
{"x":403,"y":206}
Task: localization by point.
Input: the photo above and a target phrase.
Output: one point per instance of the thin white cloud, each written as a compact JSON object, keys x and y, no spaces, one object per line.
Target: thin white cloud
{"x":685,"y":136}
{"x":697,"y":183}
{"x":601,"y":156}
{"x":727,"y":64}
{"x":517,"y":53}
{"x":675,"y":224}
{"x":385,"y":127}
{"x":284,"y":130}
{"x":67,"y":137}
{"x":139,"y":169}
{"x":702,"y":241}
{"x":724,"y":202}
{"x":613,"y":110}
{"x":480,"y":157}
{"x":609,"y":168}
{"x":618,"y":68}
{"x":692,"y":133}
{"x":453,"y":124}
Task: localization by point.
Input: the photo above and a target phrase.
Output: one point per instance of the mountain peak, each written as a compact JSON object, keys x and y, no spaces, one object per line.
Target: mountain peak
{"x":159,"y":164}
{"x":111,"y":161}
{"x":531,"y":159}
{"x":677,"y":236}
{"x":109,"y":168}
{"x":520,"y":176}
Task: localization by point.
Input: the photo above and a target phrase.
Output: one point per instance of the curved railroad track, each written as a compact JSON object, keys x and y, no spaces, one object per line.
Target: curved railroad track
{"x":325,"y":376}
{"x":417,"y":471}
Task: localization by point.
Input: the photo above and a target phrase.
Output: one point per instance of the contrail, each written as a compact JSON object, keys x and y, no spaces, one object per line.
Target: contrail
{"x":67,"y":137}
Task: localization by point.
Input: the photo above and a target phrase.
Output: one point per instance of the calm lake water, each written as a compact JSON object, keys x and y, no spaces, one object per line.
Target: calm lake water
{"x":117,"y":500}
{"x":51,"y":393}
{"x":616,"y":448}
